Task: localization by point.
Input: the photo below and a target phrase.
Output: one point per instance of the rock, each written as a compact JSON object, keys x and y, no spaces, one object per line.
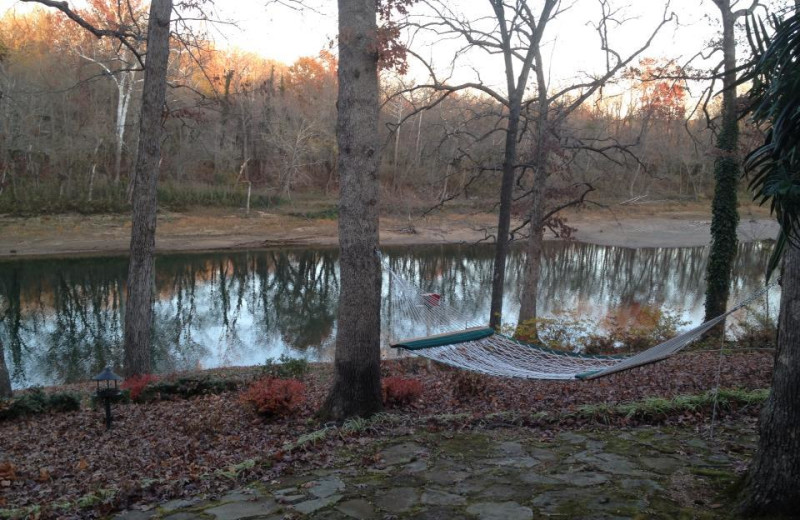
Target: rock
{"x":359,"y":509}
{"x":244,"y":509}
{"x":636,"y":483}
{"x":134,"y":515}
{"x":311,"y":506}
{"x":572,"y":437}
{"x":290,"y":499}
{"x":595,"y":445}
{"x":173,"y":505}
{"x":510,"y":449}
{"x":415,"y":467}
{"x":537,"y":478}
{"x":502,"y":492}
{"x":582,"y":478}
{"x":438,"y":497}
{"x":514,"y":462}
{"x":326,"y":487}
{"x":500,"y":511}
{"x":608,"y":462}
{"x":398,"y":500}
{"x":238,"y":496}
{"x":444,"y":477}
{"x":697,"y":443}
{"x":439,"y":513}
{"x":663,"y":465}
{"x":470,"y":486}
{"x":184,"y":515}
{"x":543,"y":455}
{"x":402,"y":453}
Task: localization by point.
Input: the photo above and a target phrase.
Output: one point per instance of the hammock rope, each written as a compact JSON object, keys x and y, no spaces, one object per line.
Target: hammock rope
{"x":453,"y":338}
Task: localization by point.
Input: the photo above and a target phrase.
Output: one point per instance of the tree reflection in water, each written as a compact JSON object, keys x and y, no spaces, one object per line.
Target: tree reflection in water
{"x":61,"y":320}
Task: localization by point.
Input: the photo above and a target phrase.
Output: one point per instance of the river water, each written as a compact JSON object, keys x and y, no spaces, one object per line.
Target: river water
{"x":62,"y":318}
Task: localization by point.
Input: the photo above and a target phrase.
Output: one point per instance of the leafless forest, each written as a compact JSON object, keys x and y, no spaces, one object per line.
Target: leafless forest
{"x":240,"y":125}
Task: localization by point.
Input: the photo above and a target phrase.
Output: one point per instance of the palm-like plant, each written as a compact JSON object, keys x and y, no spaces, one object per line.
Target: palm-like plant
{"x":774,"y":167}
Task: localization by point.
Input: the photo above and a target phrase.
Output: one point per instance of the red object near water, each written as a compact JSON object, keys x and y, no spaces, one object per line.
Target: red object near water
{"x":432,"y":299}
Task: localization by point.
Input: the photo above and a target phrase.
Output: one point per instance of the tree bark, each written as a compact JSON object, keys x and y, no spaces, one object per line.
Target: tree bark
{"x":725,"y":216}
{"x":356,"y":387}
{"x":530,"y":290}
{"x":771,"y":486}
{"x":5,"y":380}
{"x":504,"y":215}
{"x":141,"y":266}
{"x":516,"y":91}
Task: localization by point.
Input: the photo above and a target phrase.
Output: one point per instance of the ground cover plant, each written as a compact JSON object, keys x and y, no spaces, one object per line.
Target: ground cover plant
{"x":204,"y":444}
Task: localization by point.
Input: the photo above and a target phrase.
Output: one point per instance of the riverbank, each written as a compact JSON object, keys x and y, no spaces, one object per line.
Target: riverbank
{"x":644,"y":225}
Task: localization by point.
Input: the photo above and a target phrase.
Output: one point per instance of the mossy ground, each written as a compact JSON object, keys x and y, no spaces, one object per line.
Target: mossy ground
{"x":643,"y":472}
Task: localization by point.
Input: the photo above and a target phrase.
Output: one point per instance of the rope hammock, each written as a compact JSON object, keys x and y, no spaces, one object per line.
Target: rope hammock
{"x":456,"y":340}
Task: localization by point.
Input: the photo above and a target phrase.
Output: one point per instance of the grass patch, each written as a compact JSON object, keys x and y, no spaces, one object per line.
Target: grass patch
{"x":654,"y":407}
{"x":321,"y":214}
{"x":50,"y":198}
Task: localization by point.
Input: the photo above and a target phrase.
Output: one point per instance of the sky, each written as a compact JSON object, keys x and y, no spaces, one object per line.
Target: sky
{"x":277,"y":31}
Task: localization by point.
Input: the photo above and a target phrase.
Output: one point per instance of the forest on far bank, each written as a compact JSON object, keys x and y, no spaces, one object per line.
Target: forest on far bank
{"x":237,"y":122}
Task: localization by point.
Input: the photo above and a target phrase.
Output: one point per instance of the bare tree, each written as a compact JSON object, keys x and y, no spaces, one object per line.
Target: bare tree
{"x":356,"y":386}
{"x":546,"y":123}
{"x":141,"y":264}
{"x":514,"y":34}
{"x":724,"y":212}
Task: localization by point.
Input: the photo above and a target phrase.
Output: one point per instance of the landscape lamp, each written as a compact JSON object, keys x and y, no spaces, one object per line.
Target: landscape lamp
{"x":106,"y":392}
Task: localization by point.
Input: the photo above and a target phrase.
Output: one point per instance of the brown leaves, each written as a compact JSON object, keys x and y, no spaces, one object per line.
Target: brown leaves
{"x":44,"y":475}
{"x":8,"y":471}
{"x":163,"y":450}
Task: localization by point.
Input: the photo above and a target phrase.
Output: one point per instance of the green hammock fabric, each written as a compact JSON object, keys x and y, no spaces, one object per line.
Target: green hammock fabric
{"x":451,"y":338}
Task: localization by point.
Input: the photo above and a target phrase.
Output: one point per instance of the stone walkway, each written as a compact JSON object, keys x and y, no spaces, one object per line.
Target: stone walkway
{"x":505,"y":475}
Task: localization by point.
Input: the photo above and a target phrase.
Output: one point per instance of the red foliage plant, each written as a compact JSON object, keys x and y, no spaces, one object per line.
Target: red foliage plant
{"x":137,"y":384}
{"x":399,"y":391}
{"x":274,"y":397}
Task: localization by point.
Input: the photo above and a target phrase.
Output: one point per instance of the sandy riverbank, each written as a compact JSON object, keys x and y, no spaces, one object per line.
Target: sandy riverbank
{"x":662,"y":225}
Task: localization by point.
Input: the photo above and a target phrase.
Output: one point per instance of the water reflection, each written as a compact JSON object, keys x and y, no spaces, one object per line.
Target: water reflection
{"x":62,"y":319}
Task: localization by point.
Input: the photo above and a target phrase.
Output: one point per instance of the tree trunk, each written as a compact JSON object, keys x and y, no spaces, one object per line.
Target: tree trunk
{"x":771,"y":486}
{"x":5,"y":380}
{"x":530,"y":290}
{"x":141,"y":266}
{"x":356,"y":387}
{"x":125,"y":87}
{"x":725,"y":216}
{"x":504,"y":217}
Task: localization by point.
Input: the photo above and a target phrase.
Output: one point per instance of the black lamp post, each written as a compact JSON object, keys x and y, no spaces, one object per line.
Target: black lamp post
{"x":106,"y":392}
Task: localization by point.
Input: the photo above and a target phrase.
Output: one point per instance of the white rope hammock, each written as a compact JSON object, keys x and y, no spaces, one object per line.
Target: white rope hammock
{"x":457,"y":340}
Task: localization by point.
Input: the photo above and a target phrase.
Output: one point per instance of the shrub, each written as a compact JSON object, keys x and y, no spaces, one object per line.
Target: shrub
{"x":566,"y":333}
{"x":36,"y":401}
{"x":636,"y":331}
{"x":400,"y":391}
{"x":757,"y":330}
{"x":186,"y":387}
{"x":285,"y":368}
{"x":33,"y":402}
{"x":137,"y":384}
{"x":649,"y":327}
{"x":273,"y":397}
{"x":64,"y":402}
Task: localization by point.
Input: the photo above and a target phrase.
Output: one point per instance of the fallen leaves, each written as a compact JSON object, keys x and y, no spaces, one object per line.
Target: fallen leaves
{"x":206,"y":445}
